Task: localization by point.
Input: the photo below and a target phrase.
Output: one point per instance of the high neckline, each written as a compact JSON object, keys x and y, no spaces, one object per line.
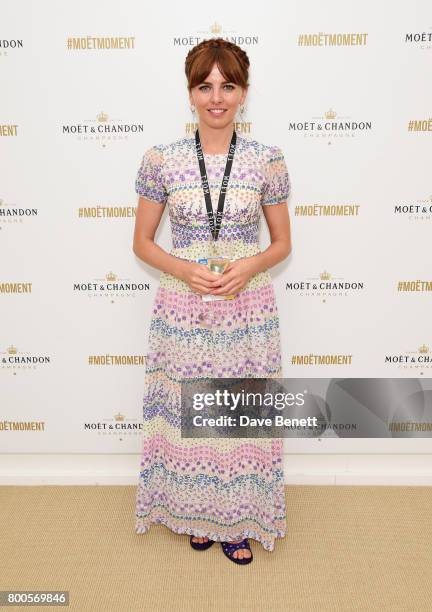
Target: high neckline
{"x":215,"y":154}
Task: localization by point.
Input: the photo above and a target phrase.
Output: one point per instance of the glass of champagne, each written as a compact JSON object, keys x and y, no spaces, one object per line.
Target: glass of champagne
{"x":219,"y":257}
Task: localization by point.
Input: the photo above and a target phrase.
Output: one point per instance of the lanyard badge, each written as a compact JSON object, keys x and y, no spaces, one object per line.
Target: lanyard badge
{"x":215,"y":264}
{"x":215,"y":224}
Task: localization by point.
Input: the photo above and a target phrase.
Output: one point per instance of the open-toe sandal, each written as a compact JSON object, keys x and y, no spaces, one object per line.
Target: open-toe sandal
{"x":229,"y":548}
{"x":200,"y":545}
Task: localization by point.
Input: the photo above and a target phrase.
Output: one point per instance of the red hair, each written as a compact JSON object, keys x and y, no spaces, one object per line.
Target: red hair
{"x":231,"y":60}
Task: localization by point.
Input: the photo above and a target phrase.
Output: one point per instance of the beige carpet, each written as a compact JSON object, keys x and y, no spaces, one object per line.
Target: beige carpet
{"x":347,"y":548}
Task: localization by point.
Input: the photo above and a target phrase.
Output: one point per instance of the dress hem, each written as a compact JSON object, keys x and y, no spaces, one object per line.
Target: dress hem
{"x":268,"y":545}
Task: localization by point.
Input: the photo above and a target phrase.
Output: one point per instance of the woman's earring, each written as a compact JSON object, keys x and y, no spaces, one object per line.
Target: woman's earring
{"x":193,"y":111}
{"x":242,"y":110}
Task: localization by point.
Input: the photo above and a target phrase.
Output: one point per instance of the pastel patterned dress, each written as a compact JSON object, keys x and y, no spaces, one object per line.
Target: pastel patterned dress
{"x":221,"y":488}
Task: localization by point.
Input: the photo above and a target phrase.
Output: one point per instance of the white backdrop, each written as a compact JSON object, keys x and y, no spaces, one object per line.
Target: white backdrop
{"x":344,"y":88}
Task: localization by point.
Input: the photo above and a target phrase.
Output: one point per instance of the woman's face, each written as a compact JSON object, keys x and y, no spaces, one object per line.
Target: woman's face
{"x":216,"y":93}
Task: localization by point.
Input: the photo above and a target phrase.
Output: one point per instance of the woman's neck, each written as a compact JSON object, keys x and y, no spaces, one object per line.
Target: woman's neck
{"x":215,"y":140}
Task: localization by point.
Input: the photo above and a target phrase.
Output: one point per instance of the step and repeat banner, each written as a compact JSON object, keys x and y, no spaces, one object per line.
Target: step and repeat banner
{"x":344,"y":88}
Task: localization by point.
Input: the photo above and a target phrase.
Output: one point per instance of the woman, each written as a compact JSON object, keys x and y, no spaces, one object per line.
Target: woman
{"x":214,"y":489}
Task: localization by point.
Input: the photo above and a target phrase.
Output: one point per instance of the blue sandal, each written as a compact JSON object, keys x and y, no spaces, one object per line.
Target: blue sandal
{"x":200,"y":545}
{"x":229,"y":549}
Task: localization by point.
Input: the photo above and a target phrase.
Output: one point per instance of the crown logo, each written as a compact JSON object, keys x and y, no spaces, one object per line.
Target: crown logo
{"x":119,"y":417}
{"x":102,"y":117}
{"x":111,"y":277}
{"x":325,"y":275}
{"x":330,"y":114}
{"x":215,"y":28}
{"x":12,"y":350}
{"x":423,"y":349}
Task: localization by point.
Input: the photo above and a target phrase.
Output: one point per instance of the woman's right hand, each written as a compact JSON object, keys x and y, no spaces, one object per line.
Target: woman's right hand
{"x":199,"y":278}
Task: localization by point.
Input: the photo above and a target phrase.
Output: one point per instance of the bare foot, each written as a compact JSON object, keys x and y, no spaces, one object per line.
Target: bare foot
{"x":199,"y":540}
{"x":241,"y":553}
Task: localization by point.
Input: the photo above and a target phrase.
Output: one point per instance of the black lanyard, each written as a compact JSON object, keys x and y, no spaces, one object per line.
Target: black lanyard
{"x":215,"y":226}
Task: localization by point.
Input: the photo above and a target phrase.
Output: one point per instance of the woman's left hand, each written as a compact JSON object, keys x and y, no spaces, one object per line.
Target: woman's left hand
{"x":235,"y":277}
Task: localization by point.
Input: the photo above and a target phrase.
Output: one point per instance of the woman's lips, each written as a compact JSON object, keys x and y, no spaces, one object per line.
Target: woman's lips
{"x":216,"y":112}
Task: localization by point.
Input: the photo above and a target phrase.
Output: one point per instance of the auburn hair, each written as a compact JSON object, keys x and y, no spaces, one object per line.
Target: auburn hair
{"x":231,"y":60}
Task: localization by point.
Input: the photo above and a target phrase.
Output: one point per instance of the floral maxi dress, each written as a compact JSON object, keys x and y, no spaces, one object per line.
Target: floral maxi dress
{"x":220,"y":488}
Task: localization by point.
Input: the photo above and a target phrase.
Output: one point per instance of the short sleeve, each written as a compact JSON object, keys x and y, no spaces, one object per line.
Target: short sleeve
{"x":149,"y":181}
{"x":277,"y":185}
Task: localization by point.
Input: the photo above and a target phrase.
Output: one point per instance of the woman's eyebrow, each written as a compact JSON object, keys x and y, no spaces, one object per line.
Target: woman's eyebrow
{"x":208,"y":83}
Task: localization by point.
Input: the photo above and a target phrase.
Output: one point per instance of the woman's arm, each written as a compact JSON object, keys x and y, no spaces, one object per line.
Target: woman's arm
{"x":147,"y":220}
{"x":197,"y":276}
{"x":240,"y":271}
{"x":278,"y":222}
